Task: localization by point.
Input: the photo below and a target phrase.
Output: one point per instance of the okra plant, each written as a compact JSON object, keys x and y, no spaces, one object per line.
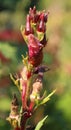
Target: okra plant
{"x":30,"y":79}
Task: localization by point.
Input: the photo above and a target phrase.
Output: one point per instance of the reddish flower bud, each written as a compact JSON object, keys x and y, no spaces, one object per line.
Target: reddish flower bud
{"x":28,"y":28}
{"x":34,"y":9}
{"x":45,"y":17}
{"x":42,"y":16}
{"x":41,"y":26}
{"x":34,"y":16}
{"x":31,"y":14}
{"x":34,"y":45}
{"x":36,"y":60}
{"x":30,"y":10}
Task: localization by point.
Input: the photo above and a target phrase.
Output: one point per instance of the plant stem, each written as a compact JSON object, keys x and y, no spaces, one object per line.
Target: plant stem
{"x":23,"y":120}
{"x":17,"y":128}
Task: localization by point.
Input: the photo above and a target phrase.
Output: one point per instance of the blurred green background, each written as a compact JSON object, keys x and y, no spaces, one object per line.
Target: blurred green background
{"x":57,"y":55}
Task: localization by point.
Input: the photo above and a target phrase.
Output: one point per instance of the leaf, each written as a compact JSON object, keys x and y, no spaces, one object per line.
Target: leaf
{"x":25,"y":60}
{"x":40,"y":35}
{"x":15,"y":82}
{"x":47,"y":98}
{"x":23,"y":34}
{"x":40,"y":124}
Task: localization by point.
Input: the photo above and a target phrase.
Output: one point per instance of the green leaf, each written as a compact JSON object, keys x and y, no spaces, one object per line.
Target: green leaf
{"x":15,"y":82}
{"x":47,"y":98}
{"x":41,"y":123}
{"x":40,"y":35}
{"x":22,"y":29}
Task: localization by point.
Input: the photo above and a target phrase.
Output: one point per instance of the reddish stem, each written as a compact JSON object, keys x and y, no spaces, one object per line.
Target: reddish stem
{"x":23,"y":123}
{"x":17,"y":128}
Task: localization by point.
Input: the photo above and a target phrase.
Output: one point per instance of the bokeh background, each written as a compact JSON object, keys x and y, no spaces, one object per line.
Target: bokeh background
{"x":57,"y":55}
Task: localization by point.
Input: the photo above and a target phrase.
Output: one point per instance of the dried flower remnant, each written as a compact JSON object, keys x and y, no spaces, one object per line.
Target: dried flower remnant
{"x":34,"y":34}
{"x":14,"y":115}
{"x":37,"y":87}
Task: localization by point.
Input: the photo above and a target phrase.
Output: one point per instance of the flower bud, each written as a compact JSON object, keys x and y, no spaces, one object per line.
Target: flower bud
{"x":28,"y":28}
{"x":41,"y":26}
{"x":36,"y":60}
{"x":34,"y":45}
{"x":34,"y":9}
{"x":34,"y":16}
{"x":45,"y":17}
